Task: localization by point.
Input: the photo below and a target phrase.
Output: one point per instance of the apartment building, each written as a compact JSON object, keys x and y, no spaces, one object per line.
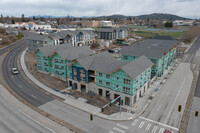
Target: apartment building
{"x":76,"y":38}
{"x":35,"y":41}
{"x":112,"y":33}
{"x":160,"y":52}
{"x":105,"y":76}
{"x":54,"y":59}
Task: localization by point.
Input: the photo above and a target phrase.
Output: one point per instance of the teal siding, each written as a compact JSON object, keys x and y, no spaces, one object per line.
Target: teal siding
{"x":129,"y":58}
{"x":43,"y":62}
{"x":58,"y":66}
{"x":117,"y":79}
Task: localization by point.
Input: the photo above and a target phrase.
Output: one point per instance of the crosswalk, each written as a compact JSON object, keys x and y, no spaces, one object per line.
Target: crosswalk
{"x":140,"y":126}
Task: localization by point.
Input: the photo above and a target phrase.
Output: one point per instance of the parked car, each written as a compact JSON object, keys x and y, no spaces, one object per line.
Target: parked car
{"x":14,"y":70}
{"x":167,"y":131}
{"x":113,"y":50}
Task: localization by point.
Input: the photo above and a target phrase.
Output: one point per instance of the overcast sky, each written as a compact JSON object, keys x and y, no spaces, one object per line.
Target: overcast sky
{"x":78,"y":8}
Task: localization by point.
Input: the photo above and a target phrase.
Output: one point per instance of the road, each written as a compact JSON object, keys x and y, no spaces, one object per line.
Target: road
{"x":189,"y":55}
{"x":160,"y":115}
{"x":18,"y":83}
{"x":39,"y":99}
{"x":193,"y":124}
{"x":13,"y":120}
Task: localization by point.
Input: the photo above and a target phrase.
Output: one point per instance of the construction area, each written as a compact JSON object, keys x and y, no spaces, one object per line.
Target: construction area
{"x":60,"y":86}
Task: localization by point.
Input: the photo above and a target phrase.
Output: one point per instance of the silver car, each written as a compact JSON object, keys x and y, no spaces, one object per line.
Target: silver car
{"x":14,"y":70}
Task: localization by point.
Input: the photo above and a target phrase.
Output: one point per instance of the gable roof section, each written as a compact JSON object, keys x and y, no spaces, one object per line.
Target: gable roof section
{"x":74,"y":53}
{"x":48,"y":51}
{"x":110,"y":29}
{"x":54,"y":35}
{"x":102,"y":62}
{"x":37,"y":37}
{"x":136,"y":67}
{"x":63,"y":34}
{"x":151,"y":48}
{"x":88,"y":62}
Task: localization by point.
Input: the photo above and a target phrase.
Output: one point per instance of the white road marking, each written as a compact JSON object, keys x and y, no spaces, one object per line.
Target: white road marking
{"x":20,"y":86}
{"x":148,"y":127}
{"x":135,"y":121}
{"x":154,"y":129}
{"x":174,"y":102}
{"x":141,"y":124}
{"x":122,"y":126}
{"x":160,"y":123}
{"x":161,"y":130}
{"x":34,"y":96}
{"x":29,"y":116}
{"x":119,"y":130}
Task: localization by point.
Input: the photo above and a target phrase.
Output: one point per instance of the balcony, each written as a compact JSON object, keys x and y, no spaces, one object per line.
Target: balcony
{"x":82,"y":74}
{"x":91,"y":74}
{"x":91,"y":79}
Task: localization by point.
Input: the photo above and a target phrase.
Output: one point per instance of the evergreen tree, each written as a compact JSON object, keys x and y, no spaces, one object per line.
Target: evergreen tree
{"x":34,"y":18}
{"x":13,"y":21}
{"x":23,"y":19}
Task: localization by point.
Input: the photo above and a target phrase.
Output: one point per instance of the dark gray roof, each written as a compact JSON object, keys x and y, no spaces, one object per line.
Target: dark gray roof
{"x":54,"y":35}
{"x":110,"y":29}
{"x":151,"y":48}
{"x":63,"y":34}
{"x":48,"y":51}
{"x":103,"y":62}
{"x":74,"y":53}
{"x":36,"y":37}
{"x":88,"y":62}
{"x":136,"y":67}
{"x":106,"y":30}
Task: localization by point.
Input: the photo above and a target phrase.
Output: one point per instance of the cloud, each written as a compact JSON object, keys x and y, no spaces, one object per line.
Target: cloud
{"x":185,"y":8}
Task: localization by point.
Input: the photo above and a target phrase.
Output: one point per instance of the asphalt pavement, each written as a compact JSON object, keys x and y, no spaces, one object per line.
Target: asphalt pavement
{"x":78,"y":118}
{"x":13,"y":120}
{"x":23,"y":88}
{"x":194,"y":122}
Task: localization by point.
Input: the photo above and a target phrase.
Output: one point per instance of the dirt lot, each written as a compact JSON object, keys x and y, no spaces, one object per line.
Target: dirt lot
{"x":44,"y":78}
{"x":59,"y":85}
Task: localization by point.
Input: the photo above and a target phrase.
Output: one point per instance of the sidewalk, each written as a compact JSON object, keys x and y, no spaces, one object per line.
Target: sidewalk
{"x":32,"y":114}
{"x":144,"y":101}
{"x":140,"y":106}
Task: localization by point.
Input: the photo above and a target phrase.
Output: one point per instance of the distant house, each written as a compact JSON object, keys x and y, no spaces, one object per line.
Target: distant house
{"x":35,"y":41}
{"x":75,"y":38}
{"x":1,"y":25}
{"x":112,"y":33}
{"x":90,"y":23}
